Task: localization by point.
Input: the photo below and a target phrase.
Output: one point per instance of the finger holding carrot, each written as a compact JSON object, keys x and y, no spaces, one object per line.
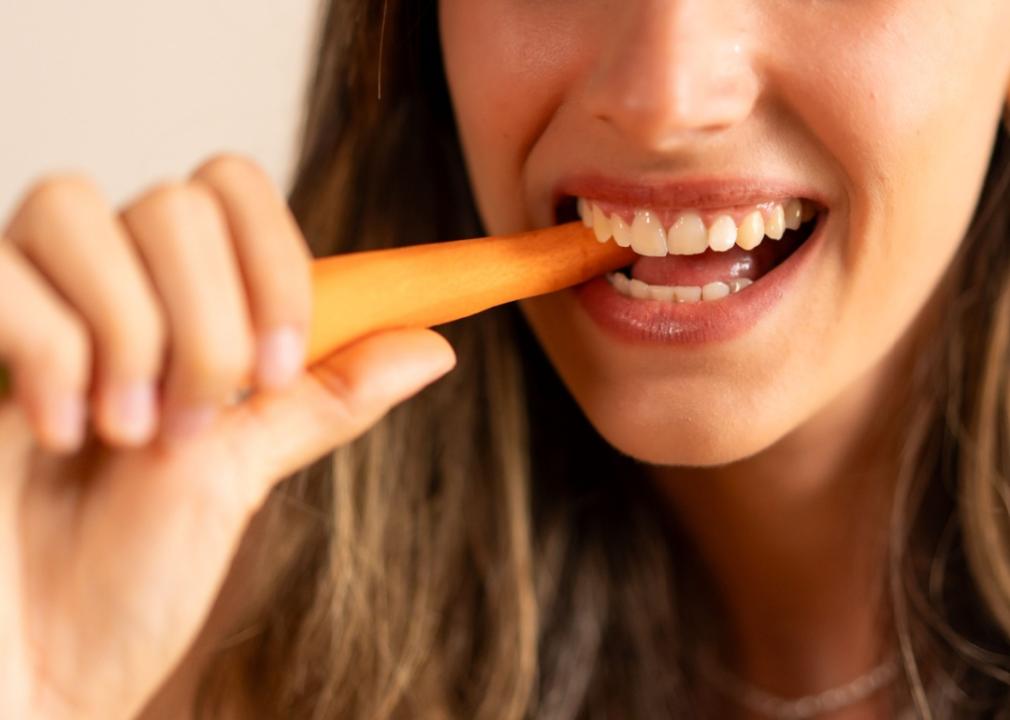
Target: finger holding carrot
{"x":129,"y":473}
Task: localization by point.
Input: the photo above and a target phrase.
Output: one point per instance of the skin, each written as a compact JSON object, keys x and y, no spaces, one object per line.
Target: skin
{"x":102,"y":591}
{"x":186,"y":298}
{"x":892,"y":127}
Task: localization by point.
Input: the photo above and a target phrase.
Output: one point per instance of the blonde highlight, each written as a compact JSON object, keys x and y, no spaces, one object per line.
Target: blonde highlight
{"x":482,"y":553}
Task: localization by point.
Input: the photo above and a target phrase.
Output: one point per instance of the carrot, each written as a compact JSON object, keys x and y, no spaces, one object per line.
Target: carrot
{"x":425,"y":285}
{"x":356,"y":294}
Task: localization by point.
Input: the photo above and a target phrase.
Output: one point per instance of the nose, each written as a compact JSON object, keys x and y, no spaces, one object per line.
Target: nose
{"x":670,"y":70}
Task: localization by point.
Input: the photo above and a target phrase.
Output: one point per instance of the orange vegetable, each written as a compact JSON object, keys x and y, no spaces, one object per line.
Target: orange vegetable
{"x":355,"y":294}
{"x":425,"y":285}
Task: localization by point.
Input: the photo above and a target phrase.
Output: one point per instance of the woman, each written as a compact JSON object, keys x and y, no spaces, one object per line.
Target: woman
{"x":790,"y":504}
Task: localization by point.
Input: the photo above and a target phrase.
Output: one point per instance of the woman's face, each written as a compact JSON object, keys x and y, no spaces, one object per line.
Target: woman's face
{"x":880,"y":114}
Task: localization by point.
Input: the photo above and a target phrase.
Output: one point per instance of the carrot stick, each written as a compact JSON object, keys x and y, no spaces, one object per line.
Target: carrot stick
{"x":425,"y":285}
{"x":356,"y":294}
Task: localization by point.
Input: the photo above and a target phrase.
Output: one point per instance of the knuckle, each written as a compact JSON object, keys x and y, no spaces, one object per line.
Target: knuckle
{"x":168,"y":196}
{"x":229,"y":166}
{"x":203,"y":201}
{"x":173,"y":201}
{"x":56,"y":195}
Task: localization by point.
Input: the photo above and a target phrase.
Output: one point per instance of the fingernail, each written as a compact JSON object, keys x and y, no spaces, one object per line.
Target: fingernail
{"x":186,"y":422}
{"x":280,"y":355}
{"x":66,"y":421}
{"x":133,"y":412}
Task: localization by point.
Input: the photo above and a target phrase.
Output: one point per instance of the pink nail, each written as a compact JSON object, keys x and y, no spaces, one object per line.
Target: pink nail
{"x":280,"y":355}
{"x":66,"y":421}
{"x":133,"y":410}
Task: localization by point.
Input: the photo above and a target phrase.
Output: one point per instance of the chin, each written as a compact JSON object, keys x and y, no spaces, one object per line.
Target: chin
{"x":659,"y":421}
{"x":684,"y":435}
{"x":698,"y":410}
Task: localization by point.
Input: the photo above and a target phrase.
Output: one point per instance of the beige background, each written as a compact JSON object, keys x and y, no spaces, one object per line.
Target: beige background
{"x":136,"y":91}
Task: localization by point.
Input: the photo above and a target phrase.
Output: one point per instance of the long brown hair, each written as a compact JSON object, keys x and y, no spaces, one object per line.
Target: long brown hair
{"x":483,"y":553}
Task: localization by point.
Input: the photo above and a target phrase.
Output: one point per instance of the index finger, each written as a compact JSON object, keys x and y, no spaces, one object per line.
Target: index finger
{"x":273,"y":259}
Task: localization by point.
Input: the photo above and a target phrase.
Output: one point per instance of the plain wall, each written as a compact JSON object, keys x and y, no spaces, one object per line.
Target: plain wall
{"x":132,"y":92}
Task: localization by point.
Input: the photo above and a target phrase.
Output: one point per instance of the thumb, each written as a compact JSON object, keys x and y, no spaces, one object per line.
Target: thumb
{"x":338,"y":399}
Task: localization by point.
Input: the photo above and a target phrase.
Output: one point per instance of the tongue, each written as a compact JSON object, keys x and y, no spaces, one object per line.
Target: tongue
{"x":709,"y":266}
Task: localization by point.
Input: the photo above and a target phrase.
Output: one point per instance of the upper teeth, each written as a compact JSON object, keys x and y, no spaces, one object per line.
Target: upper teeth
{"x":688,"y":235}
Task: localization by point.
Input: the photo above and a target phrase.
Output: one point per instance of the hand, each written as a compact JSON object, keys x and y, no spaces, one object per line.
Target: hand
{"x":128,"y":471}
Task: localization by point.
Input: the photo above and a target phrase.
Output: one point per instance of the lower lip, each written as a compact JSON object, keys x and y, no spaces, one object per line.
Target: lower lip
{"x":665,"y":323}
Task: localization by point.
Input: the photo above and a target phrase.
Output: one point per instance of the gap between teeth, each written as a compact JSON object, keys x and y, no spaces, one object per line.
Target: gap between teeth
{"x":634,"y":288}
{"x":688,"y":235}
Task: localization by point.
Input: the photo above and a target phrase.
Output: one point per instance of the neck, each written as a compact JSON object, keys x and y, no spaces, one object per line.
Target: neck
{"x":797,"y":557}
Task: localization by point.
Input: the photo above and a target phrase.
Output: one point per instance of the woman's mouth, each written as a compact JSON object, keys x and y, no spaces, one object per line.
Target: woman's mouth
{"x":696,"y":256}
{"x":702,"y":274}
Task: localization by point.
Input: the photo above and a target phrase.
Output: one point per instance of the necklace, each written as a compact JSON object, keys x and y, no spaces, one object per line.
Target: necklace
{"x":803,"y":708}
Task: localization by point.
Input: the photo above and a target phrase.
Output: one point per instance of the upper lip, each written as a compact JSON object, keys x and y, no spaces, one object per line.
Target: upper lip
{"x":696,"y":193}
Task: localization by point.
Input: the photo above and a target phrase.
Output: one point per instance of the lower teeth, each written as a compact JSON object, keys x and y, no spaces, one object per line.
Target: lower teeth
{"x":639,"y":290}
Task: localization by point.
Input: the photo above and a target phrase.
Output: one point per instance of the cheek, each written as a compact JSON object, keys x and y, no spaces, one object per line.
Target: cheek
{"x":902,"y":107}
{"x":919,"y":101}
{"x":507,"y":67}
